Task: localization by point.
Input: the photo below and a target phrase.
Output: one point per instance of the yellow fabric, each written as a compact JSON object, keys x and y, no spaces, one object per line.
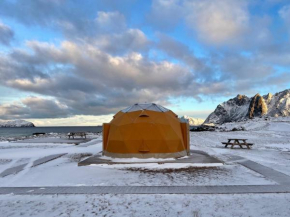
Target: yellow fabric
{"x":145,"y":132}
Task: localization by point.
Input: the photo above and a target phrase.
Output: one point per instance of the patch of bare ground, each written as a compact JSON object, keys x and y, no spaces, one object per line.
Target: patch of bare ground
{"x":175,"y":176}
{"x":177,"y":170}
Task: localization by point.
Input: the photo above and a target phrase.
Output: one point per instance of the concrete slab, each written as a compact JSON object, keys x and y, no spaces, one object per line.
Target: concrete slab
{"x":13,"y":170}
{"x":46,"y":159}
{"x":75,"y":141}
{"x":196,"y":157}
{"x":17,"y":169}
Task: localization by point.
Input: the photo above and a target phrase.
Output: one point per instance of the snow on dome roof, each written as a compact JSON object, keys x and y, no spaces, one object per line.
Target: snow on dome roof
{"x":145,"y":106}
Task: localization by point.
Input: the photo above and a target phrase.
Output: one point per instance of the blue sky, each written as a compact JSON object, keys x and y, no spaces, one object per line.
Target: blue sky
{"x":78,"y":62}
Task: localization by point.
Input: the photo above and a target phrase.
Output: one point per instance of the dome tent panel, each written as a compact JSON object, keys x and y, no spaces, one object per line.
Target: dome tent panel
{"x":127,"y":132}
{"x":123,"y":120}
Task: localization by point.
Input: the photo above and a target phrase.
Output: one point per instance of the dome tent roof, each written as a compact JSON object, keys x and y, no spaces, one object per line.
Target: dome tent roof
{"x":145,"y":106}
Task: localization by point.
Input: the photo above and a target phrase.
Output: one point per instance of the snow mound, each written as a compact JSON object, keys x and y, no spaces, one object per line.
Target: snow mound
{"x":136,"y":159}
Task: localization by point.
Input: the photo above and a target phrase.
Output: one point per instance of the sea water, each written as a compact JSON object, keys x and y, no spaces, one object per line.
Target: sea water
{"x":28,"y":131}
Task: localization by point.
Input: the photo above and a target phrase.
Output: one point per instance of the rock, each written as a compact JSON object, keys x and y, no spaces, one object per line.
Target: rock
{"x":232,"y":110}
{"x":257,"y":107}
{"x":268,"y":97}
{"x":203,"y":128}
{"x":238,"y":128}
{"x":279,"y":106}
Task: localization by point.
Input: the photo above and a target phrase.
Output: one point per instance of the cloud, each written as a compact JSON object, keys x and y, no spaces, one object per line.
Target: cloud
{"x":78,"y":22}
{"x":223,"y":23}
{"x":217,"y":22}
{"x":37,"y":12}
{"x":6,"y":34}
{"x":110,"y":21}
{"x":109,"y":33}
{"x":96,"y":82}
{"x":239,"y":67}
{"x":77,"y":120}
{"x":284,"y":13}
{"x":109,"y":57}
{"x":165,"y":14}
{"x":179,"y":51}
{"x":85,"y":80}
{"x":33,"y":107}
{"x":128,"y":41}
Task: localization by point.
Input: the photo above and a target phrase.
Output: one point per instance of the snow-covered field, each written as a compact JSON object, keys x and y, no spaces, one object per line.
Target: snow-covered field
{"x":272,"y":149}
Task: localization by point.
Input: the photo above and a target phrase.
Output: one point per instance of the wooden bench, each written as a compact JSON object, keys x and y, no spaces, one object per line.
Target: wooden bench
{"x":239,"y":142}
{"x":80,"y":134}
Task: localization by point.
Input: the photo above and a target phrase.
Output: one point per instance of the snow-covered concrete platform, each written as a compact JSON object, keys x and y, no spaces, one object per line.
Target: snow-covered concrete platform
{"x":282,"y":186}
{"x":196,"y":157}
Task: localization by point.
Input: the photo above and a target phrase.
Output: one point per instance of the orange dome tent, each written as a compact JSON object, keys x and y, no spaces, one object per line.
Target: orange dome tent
{"x":144,"y":131}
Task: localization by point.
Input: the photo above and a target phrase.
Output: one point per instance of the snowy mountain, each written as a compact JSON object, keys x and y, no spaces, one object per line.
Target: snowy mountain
{"x":242,"y":108}
{"x":16,"y":123}
{"x":191,"y":121}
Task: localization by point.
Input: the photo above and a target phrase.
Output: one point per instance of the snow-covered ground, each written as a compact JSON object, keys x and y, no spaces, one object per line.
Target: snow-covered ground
{"x":147,"y":205}
{"x":271,"y":142}
{"x":272,"y":149}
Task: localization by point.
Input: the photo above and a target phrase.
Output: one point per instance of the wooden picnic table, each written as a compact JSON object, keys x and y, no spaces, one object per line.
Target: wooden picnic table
{"x":239,"y":142}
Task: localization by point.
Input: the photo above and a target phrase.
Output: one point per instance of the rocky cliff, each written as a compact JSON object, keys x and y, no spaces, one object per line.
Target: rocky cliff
{"x":258,"y":107}
{"x":241,"y":107}
{"x":16,"y":123}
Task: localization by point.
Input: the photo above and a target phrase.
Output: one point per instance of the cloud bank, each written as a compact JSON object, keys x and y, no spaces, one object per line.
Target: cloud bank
{"x":110,"y":56}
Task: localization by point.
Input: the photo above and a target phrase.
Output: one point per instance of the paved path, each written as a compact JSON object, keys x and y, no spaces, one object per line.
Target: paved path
{"x":17,"y":169}
{"x":269,"y":173}
{"x":235,"y":189}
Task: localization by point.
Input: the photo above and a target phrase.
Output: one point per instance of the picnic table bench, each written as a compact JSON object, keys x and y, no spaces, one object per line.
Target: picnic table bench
{"x":239,"y":142}
{"x":80,"y":134}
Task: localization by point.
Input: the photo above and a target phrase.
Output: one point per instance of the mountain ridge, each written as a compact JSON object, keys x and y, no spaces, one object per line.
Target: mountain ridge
{"x":242,"y":107}
{"x":191,"y":121}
